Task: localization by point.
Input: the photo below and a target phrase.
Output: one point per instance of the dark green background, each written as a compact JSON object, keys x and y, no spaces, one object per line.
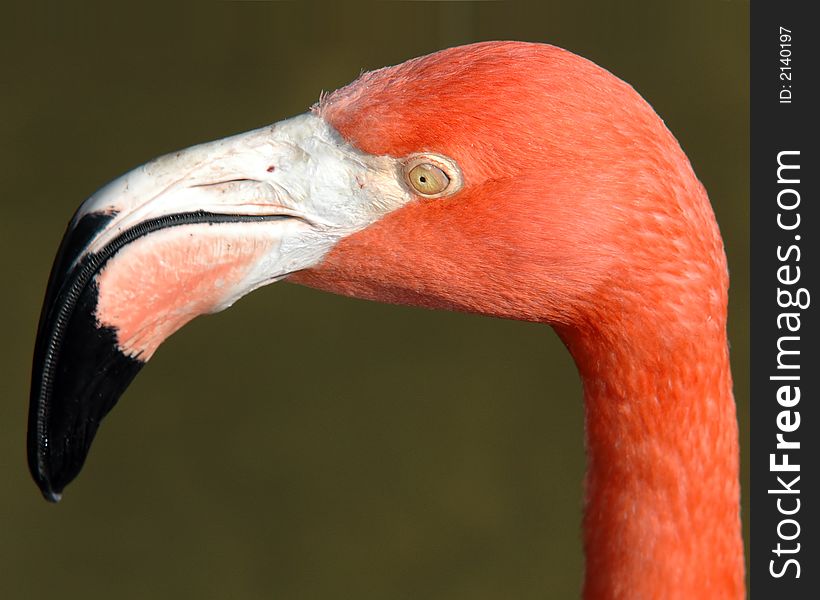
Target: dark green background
{"x":303,"y":445}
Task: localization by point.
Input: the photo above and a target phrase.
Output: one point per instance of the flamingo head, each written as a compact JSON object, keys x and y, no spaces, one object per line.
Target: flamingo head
{"x":509,"y":179}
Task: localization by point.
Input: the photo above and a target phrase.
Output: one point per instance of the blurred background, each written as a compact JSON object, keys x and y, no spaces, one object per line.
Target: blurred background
{"x":347,"y":449}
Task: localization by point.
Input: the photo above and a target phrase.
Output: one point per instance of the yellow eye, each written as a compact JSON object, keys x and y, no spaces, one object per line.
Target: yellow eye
{"x":427,"y":179}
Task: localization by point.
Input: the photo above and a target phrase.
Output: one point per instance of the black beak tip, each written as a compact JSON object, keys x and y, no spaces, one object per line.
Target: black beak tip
{"x":50,"y":484}
{"x":50,"y":494}
{"x":78,"y":372}
{"x":90,"y":375}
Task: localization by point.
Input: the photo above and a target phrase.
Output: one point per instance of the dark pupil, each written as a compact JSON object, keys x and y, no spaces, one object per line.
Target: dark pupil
{"x":423,"y":179}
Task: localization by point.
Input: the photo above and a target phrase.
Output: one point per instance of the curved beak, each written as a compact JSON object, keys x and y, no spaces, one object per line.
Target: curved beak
{"x":183,"y":235}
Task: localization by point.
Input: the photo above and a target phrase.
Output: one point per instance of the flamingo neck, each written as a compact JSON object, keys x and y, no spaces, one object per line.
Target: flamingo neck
{"x":662,"y":514}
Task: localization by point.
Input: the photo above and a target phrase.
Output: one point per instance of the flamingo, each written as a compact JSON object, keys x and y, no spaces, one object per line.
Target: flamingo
{"x":509,"y":179}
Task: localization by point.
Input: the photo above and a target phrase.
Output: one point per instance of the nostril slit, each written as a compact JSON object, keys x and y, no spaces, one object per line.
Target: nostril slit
{"x":225,"y":182}
{"x":271,"y":169}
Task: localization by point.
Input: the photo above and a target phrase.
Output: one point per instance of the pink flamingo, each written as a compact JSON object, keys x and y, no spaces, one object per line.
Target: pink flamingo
{"x":508,"y":179}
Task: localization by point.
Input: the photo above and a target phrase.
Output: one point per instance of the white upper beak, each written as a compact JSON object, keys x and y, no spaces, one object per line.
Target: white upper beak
{"x":298,"y":168}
